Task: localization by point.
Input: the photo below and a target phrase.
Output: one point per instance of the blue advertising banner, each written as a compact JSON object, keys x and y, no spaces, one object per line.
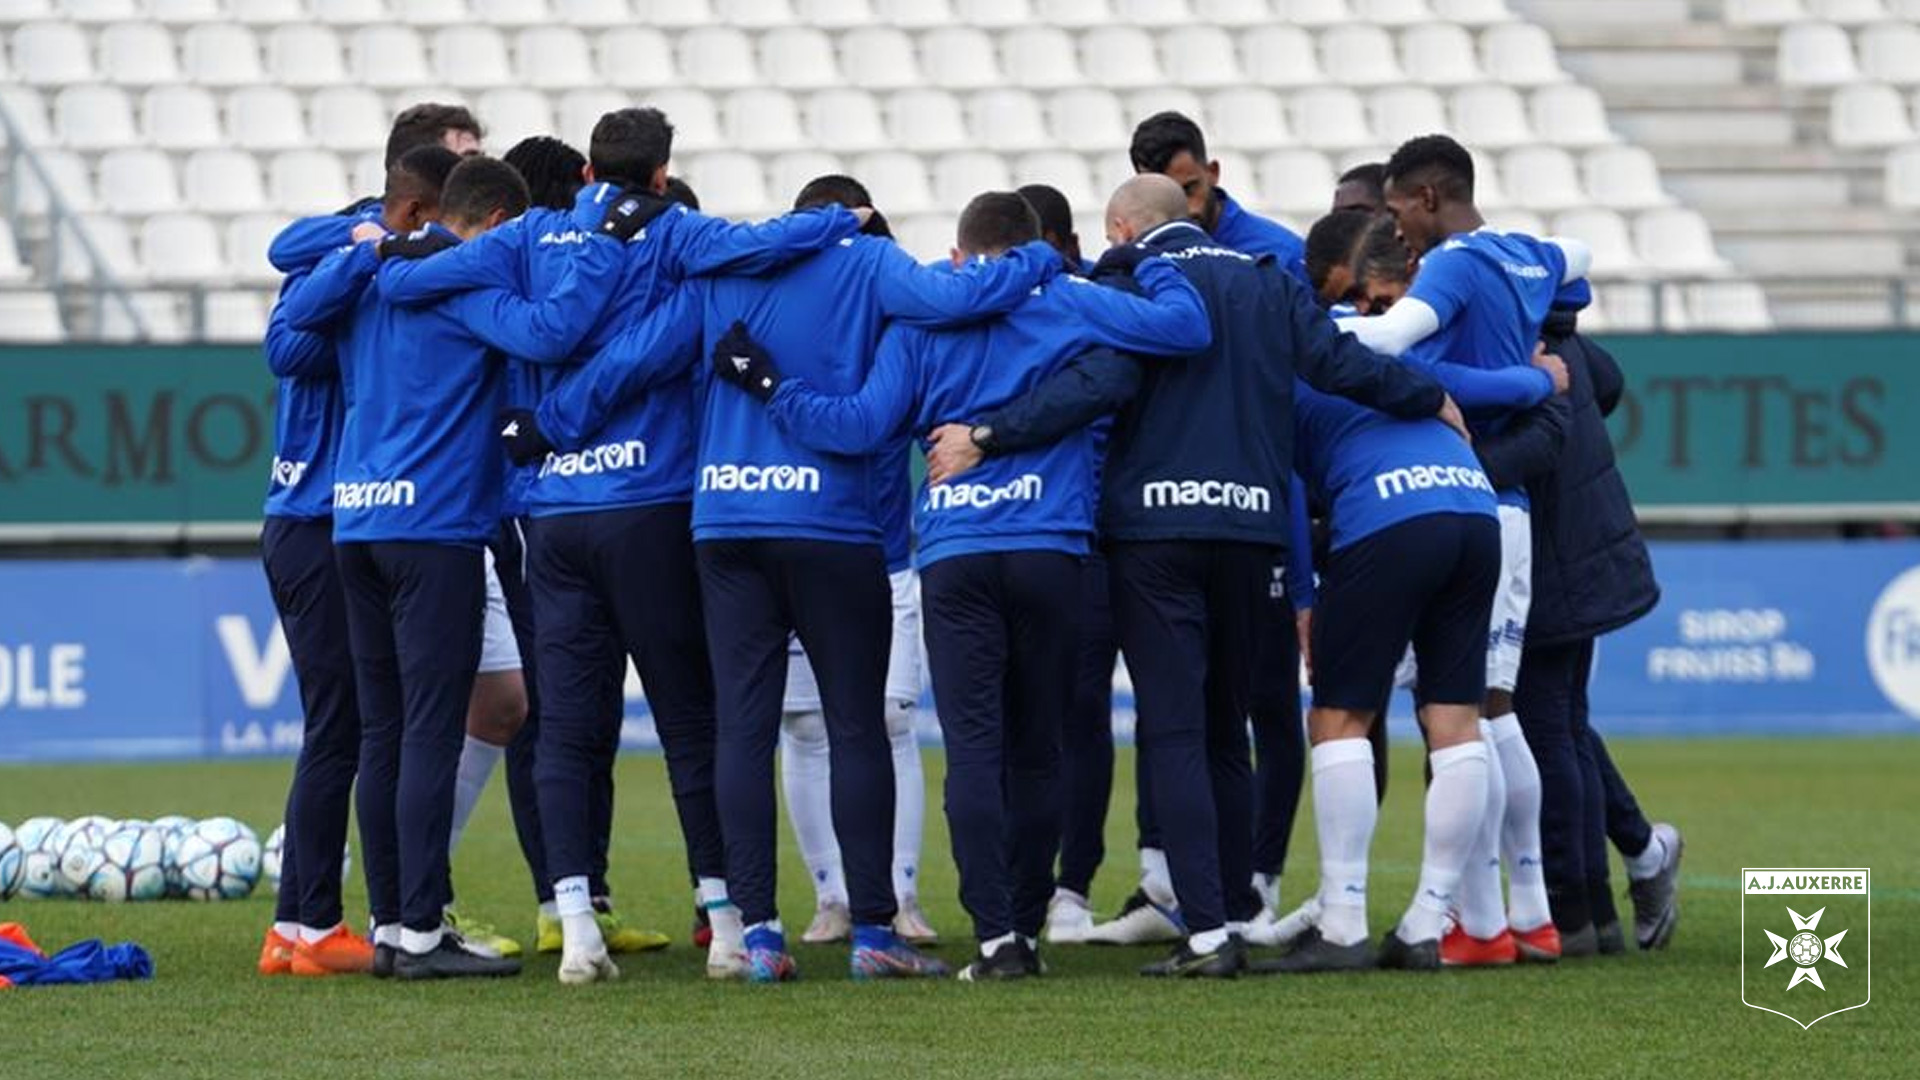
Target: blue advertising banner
{"x":184,"y":658}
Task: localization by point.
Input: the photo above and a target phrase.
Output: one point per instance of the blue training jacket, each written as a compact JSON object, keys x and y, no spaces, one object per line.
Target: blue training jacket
{"x":304,"y":242}
{"x":822,"y":317}
{"x":1248,"y":232}
{"x":418,"y":455}
{"x":642,"y":453}
{"x":307,"y":415}
{"x":1042,"y":499}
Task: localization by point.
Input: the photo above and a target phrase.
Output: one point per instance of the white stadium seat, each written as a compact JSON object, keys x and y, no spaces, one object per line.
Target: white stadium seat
{"x":1542,"y":178}
{"x":1489,"y":189}
{"x":717,"y":58}
{"x":1472,"y":12}
{"x":846,"y":121}
{"x":788,"y":173}
{"x":754,"y":14}
{"x":111,"y":241}
{"x":994,"y":14}
{"x":592,"y":13}
{"x":51,"y":54}
{"x":510,"y":12}
{"x":29,"y":112}
{"x":1816,"y":54}
{"x":1507,"y":219}
{"x":222,"y":54}
{"x":223,"y":182}
{"x":1625,"y":178}
{"x":1238,"y":176}
{"x":1891,"y":53}
{"x":426,"y":13}
{"x":1764,"y":12}
{"x":1008,"y":120}
{"x":237,"y":317}
{"x":898,"y":181}
{"x":1606,"y":233}
{"x":1903,"y":178}
{"x":1110,"y":170}
{"x":68,"y":173}
{"x":185,"y":12}
{"x":31,"y":318}
{"x":878,"y":58}
{"x":1061,"y":170}
{"x":138,"y":54}
{"x":388,"y":56}
{"x":1847,"y":12}
{"x":763,"y":120}
{"x":471,"y":57}
{"x":729,"y":184}
{"x":1392,"y":12}
{"x":99,"y":11}
{"x":1869,"y":114}
{"x":1300,"y":181}
{"x":959,"y":58}
{"x":1677,"y":241}
{"x":1233,"y":12}
{"x":348,"y":12}
{"x":1078,"y":14}
{"x":1571,"y":115}
{"x":181,"y":118}
{"x":926,"y":120}
{"x":1440,"y":55}
{"x":1121,"y":57}
{"x":1152,"y":12}
{"x":265,"y":118}
{"x":368,"y":172}
{"x":1491,"y":116}
{"x":958,"y":177}
{"x":1330,"y":118}
{"x":927,"y":237}
{"x":138,"y":182}
{"x":1280,"y":56}
{"x":1201,"y":56}
{"x":1359,"y":55}
{"x":696,"y":121}
{"x":636,"y":58}
{"x":1250,"y":118}
{"x":182,"y":248}
{"x":348,"y":118}
{"x":799,"y":58}
{"x":835,"y":14}
{"x":266,"y":12}
{"x":1040,"y":58}
{"x":1313,"y":12}
{"x":307,"y":182}
{"x":1088,"y":120}
{"x":1520,"y":54}
{"x":913,"y":14}
{"x":247,"y":239}
{"x":553,"y":58}
{"x":307,"y":56}
{"x":161,"y":319}
{"x":1140,"y":104}
{"x":1400,"y":113}
{"x":674,"y":13}
{"x":93,"y":117}
{"x":512,"y":114}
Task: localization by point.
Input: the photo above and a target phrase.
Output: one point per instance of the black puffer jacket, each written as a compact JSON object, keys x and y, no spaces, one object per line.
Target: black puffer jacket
{"x":1591,"y":573}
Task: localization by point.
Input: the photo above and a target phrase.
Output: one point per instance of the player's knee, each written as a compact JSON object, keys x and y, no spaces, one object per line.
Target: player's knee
{"x":497,"y":708}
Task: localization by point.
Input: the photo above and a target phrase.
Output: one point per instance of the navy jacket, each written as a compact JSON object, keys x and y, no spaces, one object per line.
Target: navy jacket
{"x":1203,"y":449}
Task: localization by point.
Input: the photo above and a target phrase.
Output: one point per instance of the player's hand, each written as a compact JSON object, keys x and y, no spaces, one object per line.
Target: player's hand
{"x":417,"y":244}
{"x":740,"y":360}
{"x":520,"y":431}
{"x":952,"y":453}
{"x":1450,"y":415}
{"x":1555,"y":367}
{"x":1121,"y":259}
{"x":631,"y":212}
{"x":368,"y":232}
{"x":1303,"y":626}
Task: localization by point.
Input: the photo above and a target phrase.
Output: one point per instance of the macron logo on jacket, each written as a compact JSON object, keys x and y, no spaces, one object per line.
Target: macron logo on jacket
{"x":780,"y":478}
{"x":607,"y":457}
{"x":288,"y":473}
{"x":372,"y":494}
{"x":1421,"y":477}
{"x":1028,"y":487}
{"x":1159,"y":494}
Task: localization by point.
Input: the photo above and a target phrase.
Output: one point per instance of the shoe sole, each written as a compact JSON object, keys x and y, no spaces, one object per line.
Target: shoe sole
{"x":1528,"y":954}
{"x":430,"y":974}
{"x":317,"y":971}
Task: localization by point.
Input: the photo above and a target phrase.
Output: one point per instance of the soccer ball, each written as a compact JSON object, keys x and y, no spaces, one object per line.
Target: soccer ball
{"x":74,"y":846}
{"x":39,"y":876}
{"x":173,"y":829}
{"x":9,"y":862}
{"x":273,"y":859}
{"x":218,"y":859}
{"x":127,"y":866}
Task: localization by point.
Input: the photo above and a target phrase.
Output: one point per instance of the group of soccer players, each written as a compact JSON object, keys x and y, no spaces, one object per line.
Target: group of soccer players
{"x":538,"y":418}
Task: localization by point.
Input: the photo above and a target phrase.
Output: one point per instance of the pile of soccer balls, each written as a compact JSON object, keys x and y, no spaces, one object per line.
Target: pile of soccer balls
{"x":103,"y":859}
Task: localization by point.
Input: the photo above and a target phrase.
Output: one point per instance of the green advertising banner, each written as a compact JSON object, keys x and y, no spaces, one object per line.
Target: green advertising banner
{"x":165,"y":441}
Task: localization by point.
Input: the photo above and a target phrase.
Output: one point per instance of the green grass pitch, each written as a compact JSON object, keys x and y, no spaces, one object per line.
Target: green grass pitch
{"x":1675,"y":1014}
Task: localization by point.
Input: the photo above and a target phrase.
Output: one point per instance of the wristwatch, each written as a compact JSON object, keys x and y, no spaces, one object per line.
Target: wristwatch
{"x":981,"y":435}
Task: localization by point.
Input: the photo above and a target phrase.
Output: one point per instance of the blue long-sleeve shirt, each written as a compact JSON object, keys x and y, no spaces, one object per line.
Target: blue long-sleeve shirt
{"x":641,"y":451}
{"x":1039,"y":500}
{"x":1244,"y":231}
{"x":307,"y":414}
{"x":305,"y":241}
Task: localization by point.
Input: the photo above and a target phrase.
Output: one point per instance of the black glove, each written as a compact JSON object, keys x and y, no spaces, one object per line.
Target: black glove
{"x":520,"y":431}
{"x":631,"y":212}
{"x":877,"y":225}
{"x":1121,"y":260}
{"x":740,"y":360}
{"x":417,"y":244}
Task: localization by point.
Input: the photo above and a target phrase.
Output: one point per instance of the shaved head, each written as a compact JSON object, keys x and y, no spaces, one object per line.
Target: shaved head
{"x":1147,"y":201}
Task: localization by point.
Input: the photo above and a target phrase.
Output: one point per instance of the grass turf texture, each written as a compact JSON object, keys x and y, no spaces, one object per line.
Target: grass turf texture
{"x":1678,"y":1013}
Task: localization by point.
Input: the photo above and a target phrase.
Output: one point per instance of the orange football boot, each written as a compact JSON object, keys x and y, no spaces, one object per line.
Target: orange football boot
{"x":276,"y":954}
{"x":1460,"y":949}
{"x":1540,"y":945}
{"x":342,"y":952}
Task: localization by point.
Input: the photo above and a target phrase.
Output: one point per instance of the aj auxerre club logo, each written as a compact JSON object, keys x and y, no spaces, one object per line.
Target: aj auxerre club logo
{"x":1816,"y":980}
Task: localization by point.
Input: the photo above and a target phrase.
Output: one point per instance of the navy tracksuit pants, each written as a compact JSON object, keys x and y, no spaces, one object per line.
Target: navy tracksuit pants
{"x":836,"y":598}
{"x":1279,"y":739}
{"x":414,"y":615}
{"x":298,"y":556}
{"x":608,"y":585}
{"x":510,"y":563}
{"x":1086,"y":741}
{"x":1185,"y":614}
{"x":1003,"y":641}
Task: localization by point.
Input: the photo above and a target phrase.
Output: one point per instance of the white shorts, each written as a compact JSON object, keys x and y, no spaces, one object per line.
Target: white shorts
{"x":1512,"y":600}
{"x":905,"y":664}
{"x":499,"y":651}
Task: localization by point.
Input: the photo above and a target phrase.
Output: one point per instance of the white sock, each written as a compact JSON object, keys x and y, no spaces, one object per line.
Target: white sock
{"x":477,"y":759}
{"x":313,"y":937}
{"x":1456,"y":801}
{"x":1527,"y":905}
{"x":987,"y":947}
{"x":909,"y":800}
{"x":388,"y":935}
{"x":420,"y":942}
{"x":1268,"y":886}
{"x":1344,"y":814}
{"x":721,"y":914}
{"x":288,"y":930}
{"x":580,"y":933}
{"x":1068,"y":896}
{"x":1155,"y":879}
{"x":1482,"y":906}
{"x":1648,"y":863}
{"x":806,"y":775}
{"x":1207,"y":940}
